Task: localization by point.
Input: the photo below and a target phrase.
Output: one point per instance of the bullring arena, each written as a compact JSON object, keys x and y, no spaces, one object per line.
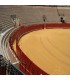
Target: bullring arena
{"x":41,"y":48}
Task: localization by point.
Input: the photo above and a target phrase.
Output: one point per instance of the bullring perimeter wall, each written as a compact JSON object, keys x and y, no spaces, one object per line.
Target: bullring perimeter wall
{"x":26,"y":65}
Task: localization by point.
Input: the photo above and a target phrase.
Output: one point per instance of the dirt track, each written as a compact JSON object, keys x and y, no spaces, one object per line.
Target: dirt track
{"x":49,"y":49}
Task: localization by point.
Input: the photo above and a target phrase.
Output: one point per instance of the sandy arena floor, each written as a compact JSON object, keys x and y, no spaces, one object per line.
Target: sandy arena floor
{"x":49,"y":49}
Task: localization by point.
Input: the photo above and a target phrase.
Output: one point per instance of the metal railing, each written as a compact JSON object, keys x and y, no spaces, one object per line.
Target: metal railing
{"x":6,"y":68}
{"x":12,"y":70}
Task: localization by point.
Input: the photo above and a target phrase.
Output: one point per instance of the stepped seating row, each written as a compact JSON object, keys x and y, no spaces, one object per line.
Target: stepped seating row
{"x":5,"y":22}
{"x":32,"y":15}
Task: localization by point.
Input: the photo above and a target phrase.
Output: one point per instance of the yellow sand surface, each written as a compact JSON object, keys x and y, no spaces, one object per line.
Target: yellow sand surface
{"x":49,"y":49}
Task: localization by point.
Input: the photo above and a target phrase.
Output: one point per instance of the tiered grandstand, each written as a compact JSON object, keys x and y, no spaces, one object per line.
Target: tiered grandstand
{"x":31,"y":18}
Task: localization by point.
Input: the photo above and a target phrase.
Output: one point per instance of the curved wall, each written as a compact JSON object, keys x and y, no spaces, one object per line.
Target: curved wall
{"x":26,"y":65}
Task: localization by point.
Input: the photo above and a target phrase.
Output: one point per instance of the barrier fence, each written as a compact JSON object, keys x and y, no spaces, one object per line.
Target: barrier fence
{"x":26,"y":65}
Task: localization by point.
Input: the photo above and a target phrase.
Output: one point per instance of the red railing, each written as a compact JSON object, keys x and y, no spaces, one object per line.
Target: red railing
{"x":27,"y":66}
